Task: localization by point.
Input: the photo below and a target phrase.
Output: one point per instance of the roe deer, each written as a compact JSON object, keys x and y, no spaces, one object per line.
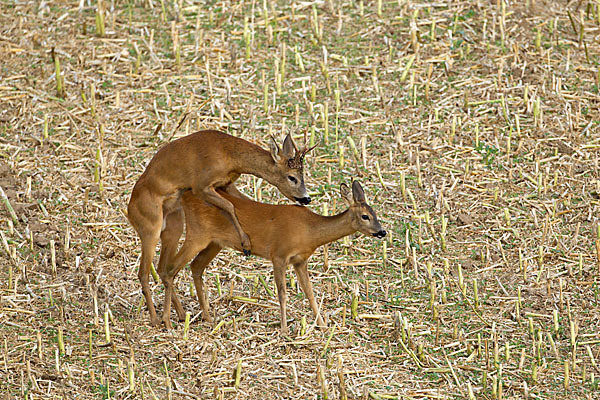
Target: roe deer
{"x":203,"y":162}
{"x":284,"y":234}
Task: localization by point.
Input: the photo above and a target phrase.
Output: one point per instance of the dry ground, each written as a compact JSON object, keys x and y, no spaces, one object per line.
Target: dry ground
{"x":473,"y":125}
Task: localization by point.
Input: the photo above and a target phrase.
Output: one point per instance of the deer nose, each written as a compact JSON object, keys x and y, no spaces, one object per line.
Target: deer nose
{"x":380,"y":234}
{"x":303,"y":200}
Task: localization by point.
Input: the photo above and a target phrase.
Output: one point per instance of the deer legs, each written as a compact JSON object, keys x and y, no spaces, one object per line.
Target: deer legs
{"x":169,"y":238}
{"x":302,"y":274}
{"x":146,"y":217}
{"x":171,"y":263}
{"x":212,"y":197}
{"x":172,"y":268}
{"x":174,"y":265}
{"x":198,"y":266}
{"x":233,"y":190}
{"x":279,"y":268}
{"x":148,"y":248}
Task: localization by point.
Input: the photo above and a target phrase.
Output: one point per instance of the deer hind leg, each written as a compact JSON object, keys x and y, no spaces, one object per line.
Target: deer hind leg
{"x":304,"y":280}
{"x":169,"y":238}
{"x":145,"y":214}
{"x":170,"y":271}
{"x":198,"y":266}
{"x":279,"y":268}
{"x":211,"y":196}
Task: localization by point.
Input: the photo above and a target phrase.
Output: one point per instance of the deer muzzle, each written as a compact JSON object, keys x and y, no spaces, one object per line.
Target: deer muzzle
{"x":303,"y":200}
{"x":381,"y":234}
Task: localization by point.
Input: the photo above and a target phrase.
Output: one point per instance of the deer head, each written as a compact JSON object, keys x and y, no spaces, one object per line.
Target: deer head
{"x":289,"y":171}
{"x":363,"y":216}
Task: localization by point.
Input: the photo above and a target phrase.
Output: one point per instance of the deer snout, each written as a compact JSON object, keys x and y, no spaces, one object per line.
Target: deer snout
{"x":303,"y":200}
{"x":381,"y":234}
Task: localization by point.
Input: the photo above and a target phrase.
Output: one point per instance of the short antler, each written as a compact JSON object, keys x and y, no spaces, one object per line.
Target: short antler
{"x":298,"y":159}
{"x":306,"y":150}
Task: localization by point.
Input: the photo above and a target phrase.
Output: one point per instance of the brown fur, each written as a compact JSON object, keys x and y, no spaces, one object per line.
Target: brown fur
{"x":202,"y":162}
{"x":284,"y":234}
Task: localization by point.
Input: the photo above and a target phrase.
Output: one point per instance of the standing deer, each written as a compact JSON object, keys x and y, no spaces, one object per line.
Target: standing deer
{"x":284,"y":234}
{"x":203,"y":162}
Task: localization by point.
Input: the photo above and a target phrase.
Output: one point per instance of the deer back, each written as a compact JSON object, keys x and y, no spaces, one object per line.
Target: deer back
{"x":275,"y":230}
{"x":203,"y":158}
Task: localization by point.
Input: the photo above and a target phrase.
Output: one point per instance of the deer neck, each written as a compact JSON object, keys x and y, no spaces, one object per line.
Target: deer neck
{"x":330,"y":229}
{"x":256,"y":161}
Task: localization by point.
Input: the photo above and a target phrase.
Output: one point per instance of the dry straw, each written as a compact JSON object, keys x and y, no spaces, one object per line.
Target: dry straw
{"x":473,"y":127}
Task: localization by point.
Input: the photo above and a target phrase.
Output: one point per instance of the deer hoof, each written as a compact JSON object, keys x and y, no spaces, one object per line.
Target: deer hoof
{"x":208,"y":318}
{"x":246,"y":245}
{"x":167,"y":324}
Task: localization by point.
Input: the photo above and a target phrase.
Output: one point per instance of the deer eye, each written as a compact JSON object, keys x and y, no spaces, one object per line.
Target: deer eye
{"x":293,"y":180}
{"x":365,"y":217}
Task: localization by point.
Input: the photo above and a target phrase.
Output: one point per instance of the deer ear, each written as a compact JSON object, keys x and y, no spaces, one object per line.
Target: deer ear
{"x":275,"y":150}
{"x":357,"y":192}
{"x":346,"y":193}
{"x":289,"y":147}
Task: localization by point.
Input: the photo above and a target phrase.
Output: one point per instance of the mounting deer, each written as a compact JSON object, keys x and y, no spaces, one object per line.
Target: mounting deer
{"x":203,"y":162}
{"x":284,"y":234}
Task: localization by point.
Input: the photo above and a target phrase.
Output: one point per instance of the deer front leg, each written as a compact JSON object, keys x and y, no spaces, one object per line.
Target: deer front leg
{"x":304,"y":280}
{"x":233,"y":191}
{"x":212,"y":197}
{"x":279,"y":268}
{"x":198,"y":266}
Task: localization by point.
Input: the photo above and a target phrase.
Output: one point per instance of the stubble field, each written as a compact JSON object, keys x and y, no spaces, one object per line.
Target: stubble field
{"x":472,"y":125}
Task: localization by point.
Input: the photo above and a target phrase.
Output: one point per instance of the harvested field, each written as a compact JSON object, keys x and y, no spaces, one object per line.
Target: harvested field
{"x":474,"y":127}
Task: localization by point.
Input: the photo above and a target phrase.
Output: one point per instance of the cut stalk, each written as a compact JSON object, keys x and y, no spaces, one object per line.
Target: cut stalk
{"x":354,"y":304}
{"x":327,"y":342}
{"x":407,"y":67}
{"x":403,"y":185}
{"x":379,"y":175}
{"x":342,"y":381}
{"x":218,"y":283}
{"x":90,"y":342}
{"x":186,"y":326}
{"x":100,"y":20}
{"x":131,"y":377}
{"x":9,"y":207}
{"x":247,"y":37}
{"x":326,"y":123}
{"x":106,"y":327}
{"x":58,"y":77}
{"x":61,"y":342}
{"x":238,"y":374}
{"x":53,"y":257}
{"x":443,"y":233}
{"x":154,"y":273}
